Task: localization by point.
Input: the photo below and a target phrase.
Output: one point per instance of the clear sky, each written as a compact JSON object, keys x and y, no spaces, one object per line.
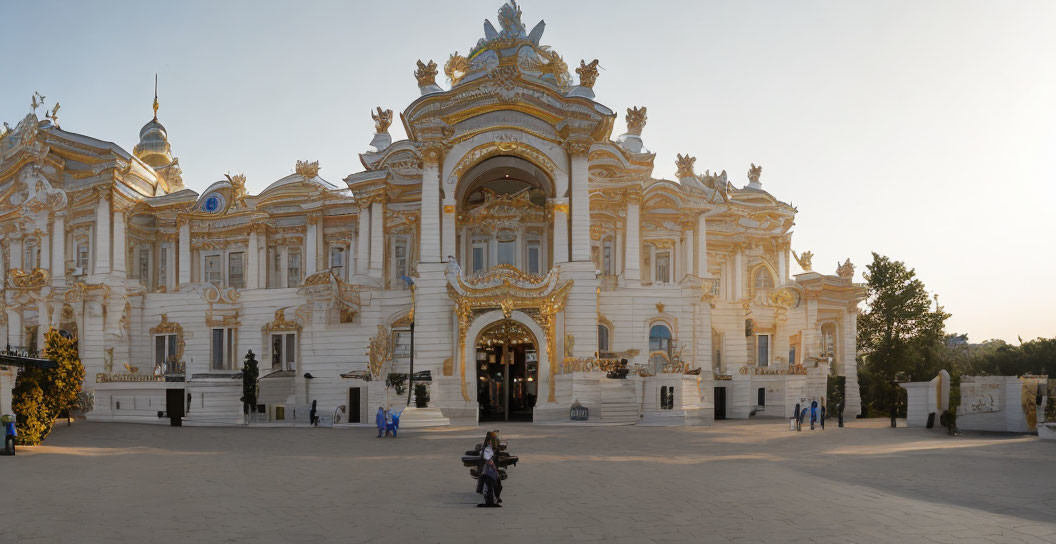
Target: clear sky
{"x":921,"y":130}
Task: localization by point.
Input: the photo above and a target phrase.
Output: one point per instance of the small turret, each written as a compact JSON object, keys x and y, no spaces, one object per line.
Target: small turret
{"x":154,"y":149}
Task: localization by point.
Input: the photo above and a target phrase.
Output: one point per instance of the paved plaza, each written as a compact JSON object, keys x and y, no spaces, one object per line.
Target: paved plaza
{"x":731,"y":482}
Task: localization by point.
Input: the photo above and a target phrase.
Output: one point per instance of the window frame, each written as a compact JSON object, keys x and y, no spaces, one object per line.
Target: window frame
{"x":228,"y":347}
{"x":294,"y":279}
{"x":206,"y":257}
{"x":657,"y":276}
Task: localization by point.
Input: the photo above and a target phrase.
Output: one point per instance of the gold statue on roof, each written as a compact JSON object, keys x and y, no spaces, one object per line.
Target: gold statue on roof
{"x":555,"y":65}
{"x":426,"y":73}
{"x":754,"y":172}
{"x":382,"y":120}
{"x":588,"y":73}
{"x":636,"y":120}
{"x":684,"y":165}
{"x":456,"y":68}
{"x":238,"y":188}
{"x":307,"y":169}
{"x":845,"y":270}
{"x":803,"y":260}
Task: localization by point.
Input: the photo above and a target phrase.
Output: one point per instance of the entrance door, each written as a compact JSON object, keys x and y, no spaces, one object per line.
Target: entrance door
{"x":720,"y":403}
{"x":507,"y":372}
{"x":174,"y":406}
{"x":353,"y":405}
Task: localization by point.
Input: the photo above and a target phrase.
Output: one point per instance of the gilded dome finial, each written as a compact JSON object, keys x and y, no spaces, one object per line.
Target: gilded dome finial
{"x":155,"y":96}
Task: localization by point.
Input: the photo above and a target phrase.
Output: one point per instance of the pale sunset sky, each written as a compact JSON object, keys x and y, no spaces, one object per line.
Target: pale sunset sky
{"x":922,"y":130}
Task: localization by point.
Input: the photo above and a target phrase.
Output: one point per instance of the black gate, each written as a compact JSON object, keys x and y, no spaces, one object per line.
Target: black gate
{"x":353,"y":405}
{"x":720,"y":403}
{"x":174,"y":406}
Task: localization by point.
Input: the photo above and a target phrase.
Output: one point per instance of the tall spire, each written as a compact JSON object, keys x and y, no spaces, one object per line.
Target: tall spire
{"x":155,"y":96}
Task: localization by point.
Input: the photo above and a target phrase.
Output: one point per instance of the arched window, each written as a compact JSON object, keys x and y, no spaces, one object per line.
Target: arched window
{"x":603,"y":339}
{"x":659,"y":338}
{"x":30,"y":254}
{"x":829,"y":349}
{"x":762,"y":279}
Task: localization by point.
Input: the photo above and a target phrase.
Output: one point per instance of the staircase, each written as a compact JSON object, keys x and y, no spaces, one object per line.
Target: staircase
{"x":619,"y":403}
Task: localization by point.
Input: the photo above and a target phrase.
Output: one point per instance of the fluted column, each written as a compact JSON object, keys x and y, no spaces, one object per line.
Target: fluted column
{"x":102,"y":234}
{"x":702,"y":246}
{"x":185,"y":251}
{"x":429,"y":249}
{"x":738,"y":272}
{"x":252,"y":261}
{"x":559,"y":210}
{"x":632,"y":263}
{"x":120,"y":251}
{"x":577,"y":150}
{"x":687,"y":262}
{"x":363,"y":241}
{"x":58,"y":249}
{"x":311,"y":244}
{"x":377,"y":238}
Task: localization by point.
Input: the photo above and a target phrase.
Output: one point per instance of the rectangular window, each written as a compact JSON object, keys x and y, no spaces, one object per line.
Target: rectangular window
{"x":276,"y":268}
{"x":534,"y":254}
{"x":508,"y":253}
{"x":478,"y":257}
{"x":401,"y":341}
{"x":399,"y":254}
{"x":222,"y":349}
{"x":762,"y":397}
{"x":82,"y":257}
{"x":792,"y":356}
{"x":236,"y":276}
{"x":606,"y":257}
{"x":762,"y":344}
{"x":293,"y":268}
{"x":165,"y":353}
{"x":29,"y":261}
{"x":663,"y":267}
{"x":337,"y":261}
{"x":284,"y":351}
{"x":291,"y":352}
{"x":213,"y":274}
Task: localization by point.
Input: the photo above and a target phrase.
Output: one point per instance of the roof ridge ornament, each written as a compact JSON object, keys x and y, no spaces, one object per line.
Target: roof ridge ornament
{"x":426,"y":76}
{"x":632,"y":139}
{"x":309,"y":170}
{"x":754,"y":173}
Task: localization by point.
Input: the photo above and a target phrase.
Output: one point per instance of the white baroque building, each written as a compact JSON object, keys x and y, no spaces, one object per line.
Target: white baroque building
{"x":530,"y":248}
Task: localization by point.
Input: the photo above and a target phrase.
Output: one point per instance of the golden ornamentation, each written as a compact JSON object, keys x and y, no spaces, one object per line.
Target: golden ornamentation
{"x":577,"y":147}
{"x":803,"y":260}
{"x":588,"y":73}
{"x":426,"y":73}
{"x":845,"y":270}
{"x":307,"y":169}
{"x":281,"y":324}
{"x":168,"y":327}
{"x":131,"y":369}
{"x":238,"y":189}
{"x":554,"y":66}
{"x":570,"y":343}
{"x":684,"y":166}
{"x":222,"y":320}
{"x":380,"y":352}
{"x":456,"y":68}
{"x":449,"y":367}
{"x":768,"y":371}
{"x":382,"y":120}
{"x":636,"y":119}
{"x":754,"y":173}
{"x":448,"y":208}
{"x":659,"y":307}
{"x":502,"y":212}
{"x":491,"y":149}
{"x":36,"y":279}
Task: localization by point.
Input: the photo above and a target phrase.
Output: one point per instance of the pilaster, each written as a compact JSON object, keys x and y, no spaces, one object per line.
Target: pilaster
{"x":363,"y":241}
{"x":377,"y":238}
{"x":559,"y":211}
{"x":185,"y":250}
{"x":58,"y":253}
{"x":632,"y":267}
{"x":702,"y":246}
{"x":253,"y":261}
{"x":120,"y":251}
{"x":577,"y":150}
{"x":102,"y":233}
{"x":430,"y":248}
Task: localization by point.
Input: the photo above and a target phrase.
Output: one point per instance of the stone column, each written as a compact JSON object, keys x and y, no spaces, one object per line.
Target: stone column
{"x":429,"y":248}
{"x":632,"y":267}
{"x":311,"y":244}
{"x":580,"y":200}
{"x":849,"y":368}
{"x":782,"y":266}
{"x":14,"y":327}
{"x":43,"y":322}
{"x":449,"y":233}
{"x":377,"y":239}
{"x":702,"y":246}
{"x":185,"y":250}
{"x":252,"y":261}
{"x":45,"y":252}
{"x":688,"y":261}
{"x":559,"y":208}
{"x":170,"y":265}
{"x":738,"y":272}
{"x":102,"y":234}
{"x":58,"y":250}
{"x":363,"y":241}
{"x":120,"y":251}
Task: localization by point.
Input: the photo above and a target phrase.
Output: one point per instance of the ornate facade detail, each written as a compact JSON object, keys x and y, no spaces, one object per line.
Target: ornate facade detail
{"x":382,"y":120}
{"x":636,"y":119}
{"x":456,"y":68}
{"x":380,"y":352}
{"x":804,"y":260}
{"x":310,"y":170}
{"x":754,"y":173}
{"x":684,"y":166}
{"x":426,"y":73}
{"x":281,"y":324}
{"x":588,"y":73}
{"x":845,"y":270}
{"x":238,"y":189}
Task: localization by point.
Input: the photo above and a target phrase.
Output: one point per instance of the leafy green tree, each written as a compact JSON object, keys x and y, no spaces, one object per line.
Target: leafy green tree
{"x":40,"y":394}
{"x":900,"y":335}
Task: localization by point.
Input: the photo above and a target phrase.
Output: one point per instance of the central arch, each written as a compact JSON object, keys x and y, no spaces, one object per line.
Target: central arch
{"x":490,"y":319}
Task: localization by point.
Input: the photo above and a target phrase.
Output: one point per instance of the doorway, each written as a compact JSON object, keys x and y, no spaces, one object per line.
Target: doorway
{"x":353,"y":405}
{"x":507,"y":360}
{"x":174,"y":406}
{"x":720,"y":403}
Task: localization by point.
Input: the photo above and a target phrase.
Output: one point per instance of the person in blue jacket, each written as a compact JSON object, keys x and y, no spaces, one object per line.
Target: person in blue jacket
{"x":379,"y":420}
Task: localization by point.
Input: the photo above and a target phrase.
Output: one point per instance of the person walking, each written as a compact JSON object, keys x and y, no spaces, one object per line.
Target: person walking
{"x":823,"y":417}
{"x":313,"y":419}
{"x":388,"y":422}
{"x":492,"y":481}
{"x":379,"y":420}
{"x":795,"y":417}
{"x":813,"y":414}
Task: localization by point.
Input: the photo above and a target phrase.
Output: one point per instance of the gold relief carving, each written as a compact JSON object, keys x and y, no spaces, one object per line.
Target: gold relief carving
{"x":636,"y":119}
{"x":32,"y":280}
{"x":222,"y":320}
{"x":490,"y":149}
{"x":168,"y":327}
{"x":448,"y":208}
{"x":309,"y":170}
{"x":577,"y":147}
{"x":588,"y":73}
{"x":238,"y":189}
{"x":280,"y":323}
{"x":426,"y":73}
{"x":382,"y":120}
{"x":554,"y":66}
{"x":660,"y":307}
{"x":661,"y":244}
{"x":684,"y":166}
{"x":449,"y":367}
{"x":804,"y":260}
{"x":570,"y":344}
{"x":456,"y":68}
{"x":845,"y":270}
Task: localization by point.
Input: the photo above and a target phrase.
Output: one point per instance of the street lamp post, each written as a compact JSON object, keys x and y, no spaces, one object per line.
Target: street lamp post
{"x":410,"y":376}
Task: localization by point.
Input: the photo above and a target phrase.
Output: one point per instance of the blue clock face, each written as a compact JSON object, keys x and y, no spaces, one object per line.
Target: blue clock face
{"x":212,"y":204}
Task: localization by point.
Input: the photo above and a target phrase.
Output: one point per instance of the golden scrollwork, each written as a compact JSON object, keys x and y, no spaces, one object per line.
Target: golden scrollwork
{"x":456,"y":68}
{"x":380,"y":352}
{"x":636,"y":119}
{"x":754,"y":173}
{"x":35,"y":279}
{"x":588,"y":73}
{"x":169,"y":327}
{"x":281,"y":324}
{"x":803,"y":259}
{"x":845,"y":270}
{"x":426,"y":73}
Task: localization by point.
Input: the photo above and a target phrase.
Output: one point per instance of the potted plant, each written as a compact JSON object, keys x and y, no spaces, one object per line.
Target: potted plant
{"x":421,"y":395}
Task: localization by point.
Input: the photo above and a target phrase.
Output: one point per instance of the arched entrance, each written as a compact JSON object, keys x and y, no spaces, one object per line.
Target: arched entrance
{"x":507,"y":361}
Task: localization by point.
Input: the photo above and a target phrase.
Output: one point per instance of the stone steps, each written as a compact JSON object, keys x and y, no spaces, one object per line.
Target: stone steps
{"x":618,"y":402}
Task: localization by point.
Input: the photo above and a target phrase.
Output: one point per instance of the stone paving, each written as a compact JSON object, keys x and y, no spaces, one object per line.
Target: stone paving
{"x":731,"y":482}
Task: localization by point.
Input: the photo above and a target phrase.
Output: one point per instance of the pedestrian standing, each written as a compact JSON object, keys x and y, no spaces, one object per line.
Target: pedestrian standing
{"x":813,"y":414}
{"x":313,"y":419}
{"x":823,"y":417}
{"x":379,"y":420}
{"x":795,"y":416}
{"x":492,"y":479}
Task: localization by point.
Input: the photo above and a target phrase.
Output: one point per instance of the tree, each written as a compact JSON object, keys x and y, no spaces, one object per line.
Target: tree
{"x":900,"y":336}
{"x":250,"y":372}
{"x":41,"y":394}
